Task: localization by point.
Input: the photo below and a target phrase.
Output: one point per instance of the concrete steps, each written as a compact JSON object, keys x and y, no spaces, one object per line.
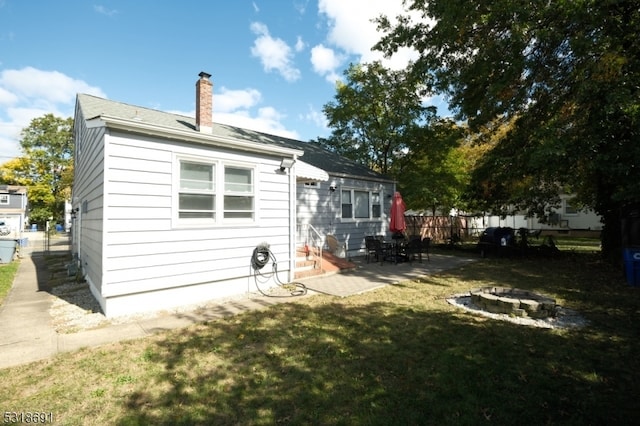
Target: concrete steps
{"x":311,"y":265}
{"x":307,"y":265}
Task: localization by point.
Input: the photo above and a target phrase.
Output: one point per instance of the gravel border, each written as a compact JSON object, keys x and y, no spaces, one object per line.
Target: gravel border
{"x":565,"y":318}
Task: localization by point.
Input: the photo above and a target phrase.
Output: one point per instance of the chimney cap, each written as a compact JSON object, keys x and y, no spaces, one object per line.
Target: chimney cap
{"x":204,"y":75}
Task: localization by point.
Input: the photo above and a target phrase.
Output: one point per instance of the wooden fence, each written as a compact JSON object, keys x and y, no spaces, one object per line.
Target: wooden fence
{"x":440,"y":228}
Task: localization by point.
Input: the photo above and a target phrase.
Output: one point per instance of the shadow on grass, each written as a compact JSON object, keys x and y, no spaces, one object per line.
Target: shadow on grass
{"x":330,"y":362}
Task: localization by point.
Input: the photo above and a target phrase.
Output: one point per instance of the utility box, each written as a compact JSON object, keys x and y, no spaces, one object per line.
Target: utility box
{"x":630,"y":227}
{"x":632,"y":265}
{"x":7,"y":250}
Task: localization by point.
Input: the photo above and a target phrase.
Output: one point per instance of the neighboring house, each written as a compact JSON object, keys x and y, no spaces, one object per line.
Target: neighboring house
{"x":564,"y":218}
{"x":168,"y":209}
{"x":13,"y":208}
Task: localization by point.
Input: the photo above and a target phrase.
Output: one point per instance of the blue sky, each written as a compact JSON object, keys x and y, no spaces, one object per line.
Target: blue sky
{"x":274,"y":63}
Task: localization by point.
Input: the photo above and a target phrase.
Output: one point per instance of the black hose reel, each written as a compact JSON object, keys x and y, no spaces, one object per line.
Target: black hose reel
{"x":261,"y":256}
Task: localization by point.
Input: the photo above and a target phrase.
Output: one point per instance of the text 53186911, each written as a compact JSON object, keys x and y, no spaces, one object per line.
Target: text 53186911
{"x":28,"y":417}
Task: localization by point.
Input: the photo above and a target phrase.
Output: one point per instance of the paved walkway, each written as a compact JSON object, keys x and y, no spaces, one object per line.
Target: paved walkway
{"x":27,"y":333}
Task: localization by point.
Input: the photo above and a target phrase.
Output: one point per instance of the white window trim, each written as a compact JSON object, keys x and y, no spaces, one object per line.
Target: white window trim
{"x":566,"y":204}
{"x":353,"y":190}
{"x":254,"y":194}
{"x":219,"y":192}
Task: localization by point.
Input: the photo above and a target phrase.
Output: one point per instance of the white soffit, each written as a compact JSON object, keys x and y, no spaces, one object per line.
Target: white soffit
{"x":307,"y":172}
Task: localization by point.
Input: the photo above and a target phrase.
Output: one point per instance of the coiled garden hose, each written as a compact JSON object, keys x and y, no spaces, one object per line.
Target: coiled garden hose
{"x":262,"y":254}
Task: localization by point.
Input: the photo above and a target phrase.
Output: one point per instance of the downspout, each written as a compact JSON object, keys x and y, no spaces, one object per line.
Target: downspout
{"x":293,"y":217}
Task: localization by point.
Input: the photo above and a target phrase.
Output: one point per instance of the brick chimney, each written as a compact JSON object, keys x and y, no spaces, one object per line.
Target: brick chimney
{"x":204,"y":103}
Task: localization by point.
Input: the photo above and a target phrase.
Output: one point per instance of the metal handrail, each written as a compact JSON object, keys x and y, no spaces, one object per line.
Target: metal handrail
{"x":312,"y":238}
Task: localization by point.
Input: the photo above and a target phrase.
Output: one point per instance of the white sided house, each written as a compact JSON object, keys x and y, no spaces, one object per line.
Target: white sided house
{"x":565,"y":218}
{"x":168,"y":209}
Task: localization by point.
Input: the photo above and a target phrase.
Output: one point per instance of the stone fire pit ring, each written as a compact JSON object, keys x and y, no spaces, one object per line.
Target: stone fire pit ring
{"x":513,"y":301}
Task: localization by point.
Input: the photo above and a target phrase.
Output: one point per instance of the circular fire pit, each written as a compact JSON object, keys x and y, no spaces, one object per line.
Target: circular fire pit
{"x":513,"y":301}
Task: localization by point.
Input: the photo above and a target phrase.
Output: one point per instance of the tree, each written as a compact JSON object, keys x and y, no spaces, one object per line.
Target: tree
{"x":373,"y":115}
{"x":434,"y":171}
{"x":45,"y":167}
{"x":562,"y":75}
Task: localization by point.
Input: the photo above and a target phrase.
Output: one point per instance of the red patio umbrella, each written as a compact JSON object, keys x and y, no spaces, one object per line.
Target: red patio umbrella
{"x":398,"y":224}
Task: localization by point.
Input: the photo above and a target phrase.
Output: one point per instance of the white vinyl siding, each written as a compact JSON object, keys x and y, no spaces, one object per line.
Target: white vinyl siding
{"x":138,"y":254}
{"x":323,"y":208}
{"x":149,"y":247}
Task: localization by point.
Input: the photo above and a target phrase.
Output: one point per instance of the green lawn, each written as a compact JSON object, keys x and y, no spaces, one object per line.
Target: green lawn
{"x":7,"y":273}
{"x":400,"y":355}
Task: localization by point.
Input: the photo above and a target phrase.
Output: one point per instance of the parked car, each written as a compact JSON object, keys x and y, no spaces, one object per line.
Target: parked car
{"x":4,"y":228}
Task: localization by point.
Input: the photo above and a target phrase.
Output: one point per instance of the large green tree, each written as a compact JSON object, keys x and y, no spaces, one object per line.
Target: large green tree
{"x":562,"y":74}
{"x":45,"y":166}
{"x":374,"y":115}
{"x":433,"y":172}
{"x":379,"y":118}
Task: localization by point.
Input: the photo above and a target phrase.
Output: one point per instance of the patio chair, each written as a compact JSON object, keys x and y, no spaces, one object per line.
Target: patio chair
{"x":336,"y":247}
{"x":413,"y":249}
{"x":374,"y":248}
{"x":426,"y":247}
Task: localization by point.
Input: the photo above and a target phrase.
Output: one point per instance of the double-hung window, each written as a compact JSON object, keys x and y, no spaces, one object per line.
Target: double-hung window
{"x":215,"y":193}
{"x":569,"y":208}
{"x":347,"y":204}
{"x":359,"y":204}
{"x":376,"y":206}
{"x":239,"y":198}
{"x":197,"y":194}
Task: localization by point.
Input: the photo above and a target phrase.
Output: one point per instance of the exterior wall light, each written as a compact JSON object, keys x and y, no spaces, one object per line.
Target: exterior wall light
{"x":286,"y":163}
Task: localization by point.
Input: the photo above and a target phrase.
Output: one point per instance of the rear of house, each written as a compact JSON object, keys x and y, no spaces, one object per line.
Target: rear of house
{"x":167,"y":213}
{"x":167,"y":209}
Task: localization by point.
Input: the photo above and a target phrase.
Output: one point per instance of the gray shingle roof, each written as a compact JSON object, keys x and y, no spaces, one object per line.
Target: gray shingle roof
{"x":92,"y":107}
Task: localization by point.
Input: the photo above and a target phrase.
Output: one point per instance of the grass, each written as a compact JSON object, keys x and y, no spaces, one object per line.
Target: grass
{"x":399,"y":355}
{"x":7,"y":273}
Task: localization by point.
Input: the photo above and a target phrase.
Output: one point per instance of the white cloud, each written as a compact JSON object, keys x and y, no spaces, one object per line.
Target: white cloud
{"x":325,"y":62}
{"x":104,"y":11}
{"x":29,"y":93}
{"x":230,"y":100}
{"x":50,"y":87}
{"x":301,"y":6}
{"x":274,"y":53}
{"x":237,"y":108}
{"x":7,"y":97}
{"x":268,"y":120}
{"x":316,"y":117}
{"x":352,"y":31}
{"x":234,"y":108}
